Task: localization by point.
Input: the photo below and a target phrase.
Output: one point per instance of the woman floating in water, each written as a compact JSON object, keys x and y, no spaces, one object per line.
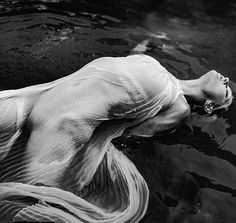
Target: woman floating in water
{"x":57,"y":161}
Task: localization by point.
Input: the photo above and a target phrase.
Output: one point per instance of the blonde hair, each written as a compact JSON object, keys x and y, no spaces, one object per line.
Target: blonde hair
{"x":225,"y":105}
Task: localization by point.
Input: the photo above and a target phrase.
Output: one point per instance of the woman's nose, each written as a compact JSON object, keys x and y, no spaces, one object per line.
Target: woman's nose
{"x":226,"y":81}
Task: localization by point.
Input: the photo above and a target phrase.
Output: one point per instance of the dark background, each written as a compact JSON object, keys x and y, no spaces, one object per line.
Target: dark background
{"x":191,"y":173}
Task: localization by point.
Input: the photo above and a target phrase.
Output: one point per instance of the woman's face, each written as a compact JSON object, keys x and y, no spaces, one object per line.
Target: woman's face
{"x":217,"y":88}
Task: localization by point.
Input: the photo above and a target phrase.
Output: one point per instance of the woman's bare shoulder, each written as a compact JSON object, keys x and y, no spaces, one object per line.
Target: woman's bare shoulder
{"x":181,"y":108}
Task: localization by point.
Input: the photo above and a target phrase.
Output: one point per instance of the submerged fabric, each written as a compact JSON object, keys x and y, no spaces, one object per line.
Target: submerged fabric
{"x":57,"y":162}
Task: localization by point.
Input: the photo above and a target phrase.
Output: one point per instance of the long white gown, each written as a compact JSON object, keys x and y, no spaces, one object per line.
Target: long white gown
{"x":57,"y":162}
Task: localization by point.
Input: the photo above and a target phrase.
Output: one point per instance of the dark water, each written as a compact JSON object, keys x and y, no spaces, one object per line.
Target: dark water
{"x":191,"y":173}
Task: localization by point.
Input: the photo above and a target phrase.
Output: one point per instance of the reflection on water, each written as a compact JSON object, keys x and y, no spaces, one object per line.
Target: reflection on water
{"x":191,"y":173}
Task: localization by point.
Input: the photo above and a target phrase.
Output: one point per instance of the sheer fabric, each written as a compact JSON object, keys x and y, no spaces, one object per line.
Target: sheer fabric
{"x":57,"y":162}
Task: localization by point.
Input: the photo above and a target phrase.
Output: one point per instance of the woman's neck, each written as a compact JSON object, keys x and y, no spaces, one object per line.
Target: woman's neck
{"x":193,"y":90}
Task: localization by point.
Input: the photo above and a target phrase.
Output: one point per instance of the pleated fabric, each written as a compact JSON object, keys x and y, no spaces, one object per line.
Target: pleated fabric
{"x":57,"y":161}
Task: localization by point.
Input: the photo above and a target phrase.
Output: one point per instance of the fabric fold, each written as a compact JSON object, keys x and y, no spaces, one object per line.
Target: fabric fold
{"x":57,"y":160}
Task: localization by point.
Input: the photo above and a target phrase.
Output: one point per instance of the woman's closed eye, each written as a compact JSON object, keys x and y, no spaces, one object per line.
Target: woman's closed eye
{"x":222,"y":77}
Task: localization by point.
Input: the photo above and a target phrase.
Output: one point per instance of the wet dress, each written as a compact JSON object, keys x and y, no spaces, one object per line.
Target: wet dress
{"x":57,"y":161}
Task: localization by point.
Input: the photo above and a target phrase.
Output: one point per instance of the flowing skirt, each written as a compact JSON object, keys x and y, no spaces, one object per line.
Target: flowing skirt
{"x":95,"y":183}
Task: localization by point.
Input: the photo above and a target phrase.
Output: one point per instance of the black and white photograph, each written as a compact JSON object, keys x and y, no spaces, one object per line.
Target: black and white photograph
{"x":118,"y":111}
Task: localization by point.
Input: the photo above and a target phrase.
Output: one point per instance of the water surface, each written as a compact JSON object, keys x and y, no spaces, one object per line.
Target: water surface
{"x":191,"y":173}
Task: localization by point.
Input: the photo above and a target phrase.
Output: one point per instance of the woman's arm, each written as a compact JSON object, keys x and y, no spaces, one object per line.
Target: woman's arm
{"x":165,"y":121}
